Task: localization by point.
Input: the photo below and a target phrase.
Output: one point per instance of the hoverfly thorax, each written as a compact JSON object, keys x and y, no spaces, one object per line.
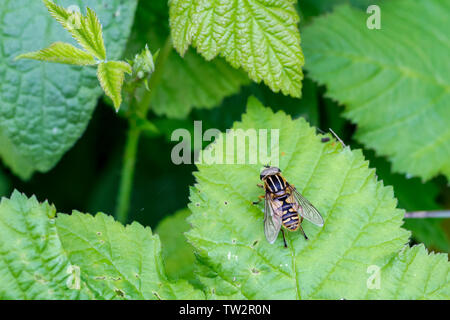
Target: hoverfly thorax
{"x":284,"y":206}
{"x":274,"y":182}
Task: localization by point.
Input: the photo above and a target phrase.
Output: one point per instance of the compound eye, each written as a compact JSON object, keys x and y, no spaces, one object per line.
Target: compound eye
{"x":261,"y":176}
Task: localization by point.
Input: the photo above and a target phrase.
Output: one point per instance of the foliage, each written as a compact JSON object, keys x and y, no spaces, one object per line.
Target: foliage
{"x":182,"y":61}
{"x":87,"y":31}
{"x":45,"y":108}
{"x":33,"y":263}
{"x":181,"y":87}
{"x":259,"y":36}
{"x":111,"y":75}
{"x":41,"y":253}
{"x":178,"y":254}
{"x":388,"y":80}
{"x":362,"y":225}
{"x":428,"y":231}
{"x":62,"y":53}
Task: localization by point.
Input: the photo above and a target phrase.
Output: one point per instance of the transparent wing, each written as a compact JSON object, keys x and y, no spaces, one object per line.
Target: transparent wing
{"x":307,"y":211}
{"x":272,"y":222}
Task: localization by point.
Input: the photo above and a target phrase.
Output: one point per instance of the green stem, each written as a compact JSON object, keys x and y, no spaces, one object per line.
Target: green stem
{"x":126,"y":183}
{"x":134,"y":132}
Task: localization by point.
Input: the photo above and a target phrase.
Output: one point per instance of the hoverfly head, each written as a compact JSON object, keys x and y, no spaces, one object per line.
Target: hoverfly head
{"x":269,"y":171}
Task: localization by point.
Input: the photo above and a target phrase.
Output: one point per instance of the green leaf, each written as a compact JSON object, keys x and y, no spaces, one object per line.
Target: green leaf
{"x":33,"y":264}
{"x":413,"y":195}
{"x":177,"y":253}
{"x":182,"y":85}
{"x":45,"y":107}
{"x":392,"y":81}
{"x":61,"y":52}
{"x":414,"y":274}
{"x":362,"y":225}
{"x":86,"y":30}
{"x":39,"y":253}
{"x":111,"y":75}
{"x":118,"y":262}
{"x":260,"y":36}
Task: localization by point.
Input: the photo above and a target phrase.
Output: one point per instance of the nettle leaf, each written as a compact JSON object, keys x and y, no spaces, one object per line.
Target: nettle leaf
{"x":111,"y":75}
{"x":86,"y":30}
{"x":392,"y":81}
{"x":61,"y":52}
{"x":33,"y":264}
{"x":119,"y":262}
{"x":362,"y":227}
{"x":260,"y":36}
{"x":183,"y":84}
{"x":44,"y":107}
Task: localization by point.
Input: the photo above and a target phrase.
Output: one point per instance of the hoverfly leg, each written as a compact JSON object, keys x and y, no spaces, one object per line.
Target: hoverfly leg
{"x":304,"y":234}
{"x":260,"y":198}
{"x":260,"y":185}
{"x":284,"y":238}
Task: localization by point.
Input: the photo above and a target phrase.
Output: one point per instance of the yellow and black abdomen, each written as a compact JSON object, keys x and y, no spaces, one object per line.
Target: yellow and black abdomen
{"x":290,"y":218}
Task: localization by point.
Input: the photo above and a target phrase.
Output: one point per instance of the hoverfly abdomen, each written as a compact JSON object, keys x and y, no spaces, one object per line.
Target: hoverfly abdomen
{"x":291,"y":221}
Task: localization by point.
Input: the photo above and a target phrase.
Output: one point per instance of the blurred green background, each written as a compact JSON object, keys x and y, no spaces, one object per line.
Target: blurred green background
{"x":87,"y":177}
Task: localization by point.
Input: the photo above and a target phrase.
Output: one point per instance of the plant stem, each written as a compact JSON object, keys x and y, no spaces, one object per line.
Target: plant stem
{"x":126,"y":182}
{"x":129,"y":160}
{"x":428,"y":214}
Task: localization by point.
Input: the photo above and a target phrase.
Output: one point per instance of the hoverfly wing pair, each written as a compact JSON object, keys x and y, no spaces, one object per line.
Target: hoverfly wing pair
{"x":273,"y":216}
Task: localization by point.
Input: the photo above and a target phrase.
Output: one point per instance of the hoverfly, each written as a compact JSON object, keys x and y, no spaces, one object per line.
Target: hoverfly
{"x":284,"y":206}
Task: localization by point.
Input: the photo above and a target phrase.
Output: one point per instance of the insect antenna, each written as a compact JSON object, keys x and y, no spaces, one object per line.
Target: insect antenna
{"x":337,"y":137}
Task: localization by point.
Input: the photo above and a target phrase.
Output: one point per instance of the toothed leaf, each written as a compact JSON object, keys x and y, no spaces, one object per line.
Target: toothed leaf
{"x":182,"y":86}
{"x":392,"y":81}
{"x":119,"y":262}
{"x":61,"y":52}
{"x":262,"y":37}
{"x":86,"y":30}
{"x":362,"y":227}
{"x":45,"y":107}
{"x":111,"y":75}
{"x":33,"y":263}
